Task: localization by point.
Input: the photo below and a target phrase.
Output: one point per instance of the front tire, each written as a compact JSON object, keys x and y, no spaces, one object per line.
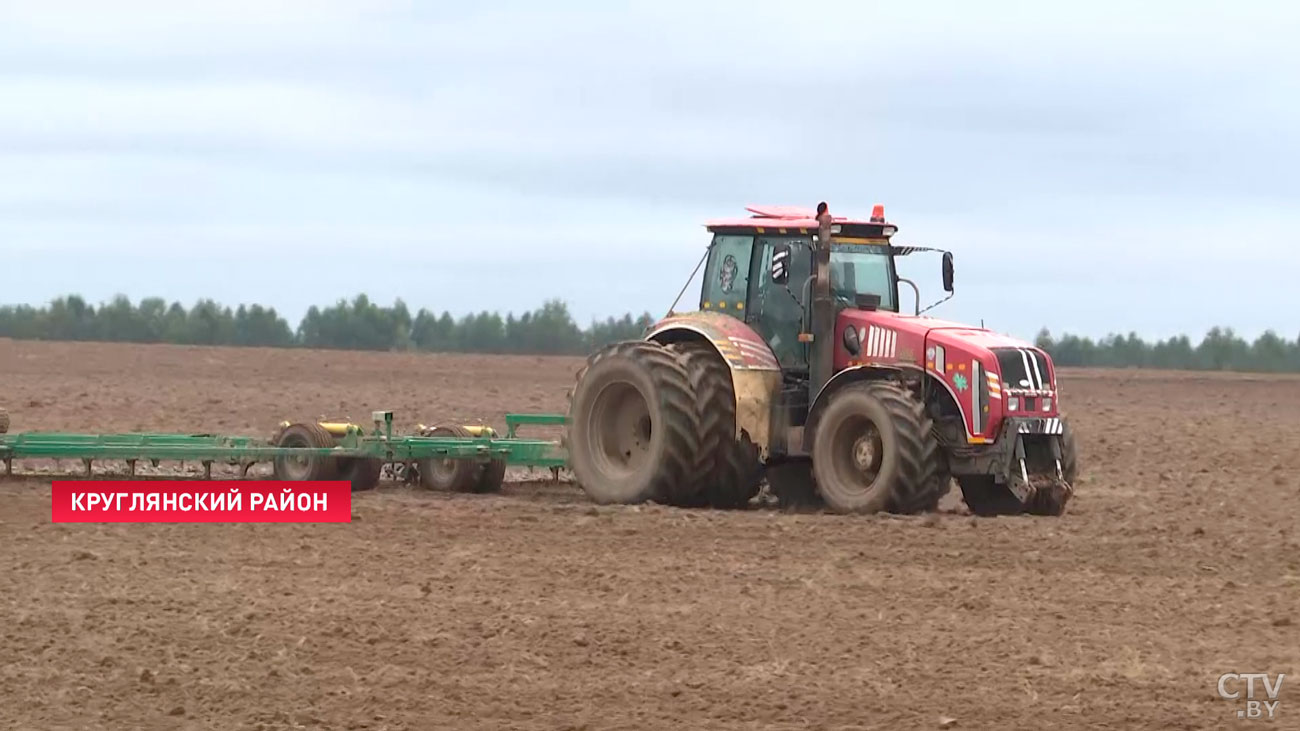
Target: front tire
{"x":632,"y":428}
{"x":936,"y":480}
{"x":869,"y":448}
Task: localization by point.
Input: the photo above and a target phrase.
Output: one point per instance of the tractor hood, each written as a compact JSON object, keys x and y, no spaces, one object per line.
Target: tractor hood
{"x":888,"y":337}
{"x":977,"y":367}
{"x":926,"y":327}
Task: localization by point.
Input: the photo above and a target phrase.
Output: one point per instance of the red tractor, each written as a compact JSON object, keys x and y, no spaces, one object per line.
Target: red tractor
{"x":800,"y":367}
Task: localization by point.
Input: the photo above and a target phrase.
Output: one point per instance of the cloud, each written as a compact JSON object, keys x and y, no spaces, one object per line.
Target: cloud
{"x":575,"y":149}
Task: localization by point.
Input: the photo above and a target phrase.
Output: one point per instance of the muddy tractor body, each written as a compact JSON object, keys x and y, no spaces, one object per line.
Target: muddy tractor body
{"x":800,"y":367}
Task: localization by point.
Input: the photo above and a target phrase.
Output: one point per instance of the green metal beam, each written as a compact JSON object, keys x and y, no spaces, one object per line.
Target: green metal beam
{"x":516,"y":451}
{"x":514,"y":421}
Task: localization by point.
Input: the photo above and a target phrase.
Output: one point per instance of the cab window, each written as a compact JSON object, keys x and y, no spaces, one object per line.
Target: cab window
{"x":726,"y":278}
{"x":857,"y":269}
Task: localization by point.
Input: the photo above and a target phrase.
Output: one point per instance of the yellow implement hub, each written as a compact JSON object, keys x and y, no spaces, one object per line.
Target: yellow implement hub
{"x":338,"y":428}
{"x":473,"y":429}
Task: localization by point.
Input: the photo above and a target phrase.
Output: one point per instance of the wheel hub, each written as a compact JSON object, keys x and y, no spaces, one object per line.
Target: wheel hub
{"x":620,"y":429}
{"x":858,"y":453}
{"x":444,"y":467}
{"x":865,"y":454}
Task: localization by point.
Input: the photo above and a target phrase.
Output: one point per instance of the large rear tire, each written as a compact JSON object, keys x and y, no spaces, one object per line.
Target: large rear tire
{"x":727,"y":473}
{"x":869,"y":449}
{"x":632,"y":428}
{"x":4,"y":421}
{"x":305,"y":467}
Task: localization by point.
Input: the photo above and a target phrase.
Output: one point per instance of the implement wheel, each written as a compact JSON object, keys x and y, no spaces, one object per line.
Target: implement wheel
{"x":454,"y":475}
{"x":306,"y":467}
{"x":491,"y":476}
{"x":869,"y":449}
{"x":632,"y":428}
{"x":361,"y":472}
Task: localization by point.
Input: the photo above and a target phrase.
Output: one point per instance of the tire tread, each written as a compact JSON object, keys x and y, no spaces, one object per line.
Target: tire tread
{"x":728,"y":473}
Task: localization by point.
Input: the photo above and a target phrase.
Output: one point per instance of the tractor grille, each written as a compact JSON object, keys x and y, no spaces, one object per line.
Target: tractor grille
{"x":1023,"y":368}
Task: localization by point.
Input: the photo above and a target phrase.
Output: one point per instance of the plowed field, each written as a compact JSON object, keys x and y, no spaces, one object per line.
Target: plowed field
{"x":1178,"y":561}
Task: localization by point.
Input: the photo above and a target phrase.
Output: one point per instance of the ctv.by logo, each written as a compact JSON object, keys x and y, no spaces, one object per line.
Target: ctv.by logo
{"x":1230,"y":689}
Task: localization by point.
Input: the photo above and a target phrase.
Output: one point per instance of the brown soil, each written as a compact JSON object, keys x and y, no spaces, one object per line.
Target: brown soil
{"x":1178,"y":561}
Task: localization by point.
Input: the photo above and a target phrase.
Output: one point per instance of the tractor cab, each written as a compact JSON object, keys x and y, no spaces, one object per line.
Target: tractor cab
{"x":760,"y":269}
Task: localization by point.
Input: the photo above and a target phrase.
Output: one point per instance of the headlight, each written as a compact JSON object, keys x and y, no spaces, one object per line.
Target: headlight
{"x":1013,"y":403}
{"x":851,"y":342}
{"x":1047,"y":403}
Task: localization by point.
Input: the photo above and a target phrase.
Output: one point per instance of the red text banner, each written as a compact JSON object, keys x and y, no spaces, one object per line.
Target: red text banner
{"x":188,"y":501}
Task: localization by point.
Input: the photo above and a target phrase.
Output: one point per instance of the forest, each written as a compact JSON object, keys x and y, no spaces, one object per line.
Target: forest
{"x":361,"y":324}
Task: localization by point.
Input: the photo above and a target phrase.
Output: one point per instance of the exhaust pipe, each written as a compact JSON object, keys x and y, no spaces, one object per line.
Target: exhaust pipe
{"x":823,"y":305}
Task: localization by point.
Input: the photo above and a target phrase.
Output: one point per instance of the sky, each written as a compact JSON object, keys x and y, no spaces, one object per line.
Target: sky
{"x":1095,"y":167}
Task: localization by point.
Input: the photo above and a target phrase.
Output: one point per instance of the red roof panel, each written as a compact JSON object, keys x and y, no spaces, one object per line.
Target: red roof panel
{"x":773,"y":216}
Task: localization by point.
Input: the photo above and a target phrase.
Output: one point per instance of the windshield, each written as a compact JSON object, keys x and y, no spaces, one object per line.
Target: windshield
{"x":862,"y":270}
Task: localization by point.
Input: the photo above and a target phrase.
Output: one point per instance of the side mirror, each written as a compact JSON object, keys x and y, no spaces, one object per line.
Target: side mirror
{"x":947,"y":271}
{"x":781,"y":263}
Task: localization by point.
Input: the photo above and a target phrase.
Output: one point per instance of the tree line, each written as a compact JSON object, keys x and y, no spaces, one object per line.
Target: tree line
{"x":361,"y":324}
{"x":1220,"y":350}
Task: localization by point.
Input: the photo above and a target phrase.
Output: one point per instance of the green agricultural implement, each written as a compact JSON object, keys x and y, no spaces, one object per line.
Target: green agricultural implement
{"x":451,"y":457}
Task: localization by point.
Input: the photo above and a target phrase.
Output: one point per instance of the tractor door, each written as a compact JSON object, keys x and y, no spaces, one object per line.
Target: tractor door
{"x":726,"y":278}
{"x":776,"y":311}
